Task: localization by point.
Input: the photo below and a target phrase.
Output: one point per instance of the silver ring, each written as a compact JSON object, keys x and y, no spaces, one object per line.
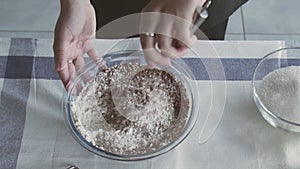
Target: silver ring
{"x":148,"y":34}
{"x":70,"y":61}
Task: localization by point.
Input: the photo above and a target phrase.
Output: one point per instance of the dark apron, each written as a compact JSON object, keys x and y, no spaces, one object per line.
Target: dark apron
{"x":109,"y":10}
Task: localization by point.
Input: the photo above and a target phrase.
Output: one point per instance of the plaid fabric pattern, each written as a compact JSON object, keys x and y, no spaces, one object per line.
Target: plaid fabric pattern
{"x":24,"y":60}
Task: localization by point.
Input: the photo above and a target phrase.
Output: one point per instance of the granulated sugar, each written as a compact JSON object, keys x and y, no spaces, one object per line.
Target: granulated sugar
{"x":280,"y":93}
{"x":131,"y":113}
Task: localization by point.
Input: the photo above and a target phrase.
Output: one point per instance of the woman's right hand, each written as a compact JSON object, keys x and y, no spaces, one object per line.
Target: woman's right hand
{"x":165,"y":24}
{"x":74,"y":35}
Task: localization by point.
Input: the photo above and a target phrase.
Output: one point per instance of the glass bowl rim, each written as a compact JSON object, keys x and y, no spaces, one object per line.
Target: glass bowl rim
{"x":68,"y":118}
{"x":256,"y":97}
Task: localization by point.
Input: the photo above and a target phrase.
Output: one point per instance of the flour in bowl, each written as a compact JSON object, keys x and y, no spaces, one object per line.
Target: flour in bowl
{"x":130,"y":109}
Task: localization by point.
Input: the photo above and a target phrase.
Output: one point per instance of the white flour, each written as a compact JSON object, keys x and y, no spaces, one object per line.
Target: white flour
{"x":280,"y":93}
{"x":130,"y":117}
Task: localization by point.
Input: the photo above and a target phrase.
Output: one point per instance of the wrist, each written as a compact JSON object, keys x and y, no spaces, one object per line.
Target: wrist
{"x":70,"y":2}
{"x":200,"y":2}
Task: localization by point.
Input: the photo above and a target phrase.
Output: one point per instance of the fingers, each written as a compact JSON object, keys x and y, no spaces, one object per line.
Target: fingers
{"x":67,"y":74}
{"x":65,"y":62}
{"x":180,"y":46}
{"x":71,"y":72}
{"x":95,"y":56}
{"x":61,"y":55}
{"x":79,"y":64}
{"x":60,"y":45}
{"x":161,"y":27}
{"x":60,"y":60}
{"x":148,"y":23}
{"x":69,"y":59}
{"x":183,"y":35}
{"x":152,"y":56}
{"x":166,"y":48}
{"x":61,"y":65}
{"x":171,"y":40}
{"x":164,"y":37}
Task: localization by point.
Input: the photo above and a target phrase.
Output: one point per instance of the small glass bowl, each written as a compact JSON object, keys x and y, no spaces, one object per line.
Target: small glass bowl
{"x":277,"y":59}
{"x":178,"y":68}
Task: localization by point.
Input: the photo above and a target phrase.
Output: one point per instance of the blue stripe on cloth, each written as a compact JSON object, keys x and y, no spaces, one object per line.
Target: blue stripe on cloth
{"x":14,"y":97}
{"x":247,"y":68}
{"x":197,"y":67}
{"x":44,"y":68}
{"x":234,"y":68}
{"x":3,"y":60}
{"x":19,"y":67}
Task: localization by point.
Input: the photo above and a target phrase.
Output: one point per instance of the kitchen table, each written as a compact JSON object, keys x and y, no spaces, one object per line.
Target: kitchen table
{"x":230,"y":132}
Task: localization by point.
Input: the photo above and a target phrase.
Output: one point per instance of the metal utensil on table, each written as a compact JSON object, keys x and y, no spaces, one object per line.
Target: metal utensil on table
{"x":201,"y":14}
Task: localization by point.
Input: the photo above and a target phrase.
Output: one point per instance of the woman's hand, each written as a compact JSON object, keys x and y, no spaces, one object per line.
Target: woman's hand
{"x":170,"y":21}
{"x":74,"y":34}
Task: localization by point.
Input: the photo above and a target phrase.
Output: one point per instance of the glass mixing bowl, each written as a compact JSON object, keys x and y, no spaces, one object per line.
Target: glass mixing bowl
{"x":280,"y":58}
{"x":177,"y":68}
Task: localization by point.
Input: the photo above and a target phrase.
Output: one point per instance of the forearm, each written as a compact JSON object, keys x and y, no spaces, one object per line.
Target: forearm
{"x":75,"y":11}
{"x":199,"y":2}
{"x":70,"y":3}
{"x":73,"y":1}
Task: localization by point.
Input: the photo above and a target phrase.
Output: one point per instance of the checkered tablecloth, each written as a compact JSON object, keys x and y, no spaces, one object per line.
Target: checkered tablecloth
{"x":33,"y":134}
